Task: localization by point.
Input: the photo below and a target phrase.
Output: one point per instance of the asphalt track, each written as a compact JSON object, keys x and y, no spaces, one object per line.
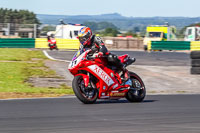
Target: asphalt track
{"x":142,"y":58}
{"x":157,"y":114}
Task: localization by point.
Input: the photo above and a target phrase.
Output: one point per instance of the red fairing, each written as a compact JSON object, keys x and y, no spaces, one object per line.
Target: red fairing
{"x":123,"y":58}
{"x":108,"y":81}
{"x":52,"y":41}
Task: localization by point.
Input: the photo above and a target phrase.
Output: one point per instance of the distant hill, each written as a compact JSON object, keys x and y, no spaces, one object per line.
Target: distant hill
{"x":123,"y":23}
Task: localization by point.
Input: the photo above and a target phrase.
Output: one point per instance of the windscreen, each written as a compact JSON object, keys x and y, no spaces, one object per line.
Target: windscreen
{"x":154,"y":34}
{"x":78,"y":53}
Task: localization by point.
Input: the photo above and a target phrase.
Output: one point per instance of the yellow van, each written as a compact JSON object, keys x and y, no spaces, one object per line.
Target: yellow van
{"x":159,"y":33}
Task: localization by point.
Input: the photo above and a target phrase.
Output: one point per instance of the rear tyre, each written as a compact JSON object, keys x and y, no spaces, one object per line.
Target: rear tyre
{"x":139,"y":92}
{"x":85,"y":95}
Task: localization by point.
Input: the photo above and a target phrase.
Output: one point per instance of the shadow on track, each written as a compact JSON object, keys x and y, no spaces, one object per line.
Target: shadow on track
{"x":120,"y":101}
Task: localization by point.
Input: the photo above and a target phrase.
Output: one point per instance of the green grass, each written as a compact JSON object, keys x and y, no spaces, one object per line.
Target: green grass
{"x":13,"y":75}
{"x":20,"y":54}
{"x":37,"y":69}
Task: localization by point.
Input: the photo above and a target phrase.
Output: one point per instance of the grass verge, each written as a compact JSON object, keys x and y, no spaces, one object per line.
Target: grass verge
{"x":17,"y":66}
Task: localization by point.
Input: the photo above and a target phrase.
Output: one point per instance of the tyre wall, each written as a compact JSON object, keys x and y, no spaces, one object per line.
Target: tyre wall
{"x":195,"y":62}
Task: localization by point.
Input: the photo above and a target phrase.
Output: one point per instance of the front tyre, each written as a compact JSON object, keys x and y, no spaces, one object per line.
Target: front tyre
{"x":85,"y":95}
{"x":138,"y":91}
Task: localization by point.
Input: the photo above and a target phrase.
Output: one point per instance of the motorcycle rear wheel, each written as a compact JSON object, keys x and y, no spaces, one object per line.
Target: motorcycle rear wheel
{"x":139,"y":92}
{"x":87,"y":96}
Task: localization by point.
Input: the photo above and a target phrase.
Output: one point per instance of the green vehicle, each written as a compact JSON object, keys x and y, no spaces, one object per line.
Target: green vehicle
{"x":159,"y":33}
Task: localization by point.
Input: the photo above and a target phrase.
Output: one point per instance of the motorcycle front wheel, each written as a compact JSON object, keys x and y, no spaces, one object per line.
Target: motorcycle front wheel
{"x":84,"y":94}
{"x":138,"y":91}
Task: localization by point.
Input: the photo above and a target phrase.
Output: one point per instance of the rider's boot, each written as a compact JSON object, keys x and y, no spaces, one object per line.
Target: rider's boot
{"x":126,"y":76}
{"x":125,"y":71}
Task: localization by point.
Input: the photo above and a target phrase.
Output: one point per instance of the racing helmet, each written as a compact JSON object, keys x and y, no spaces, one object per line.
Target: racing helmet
{"x":85,"y":35}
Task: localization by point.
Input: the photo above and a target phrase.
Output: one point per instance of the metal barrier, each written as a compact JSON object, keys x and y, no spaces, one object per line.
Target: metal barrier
{"x":195,"y":46}
{"x":61,"y":43}
{"x":41,"y":43}
{"x":74,"y":44}
{"x":17,"y":43}
{"x":68,"y":43}
{"x":169,"y":45}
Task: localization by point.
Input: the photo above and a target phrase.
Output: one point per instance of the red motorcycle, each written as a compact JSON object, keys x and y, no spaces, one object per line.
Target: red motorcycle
{"x":95,"y":79}
{"x":52,"y":44}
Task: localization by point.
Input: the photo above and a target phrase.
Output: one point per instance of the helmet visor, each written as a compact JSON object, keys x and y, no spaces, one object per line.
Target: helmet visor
{"x":85,"y":38}
{"x":82,"y":39}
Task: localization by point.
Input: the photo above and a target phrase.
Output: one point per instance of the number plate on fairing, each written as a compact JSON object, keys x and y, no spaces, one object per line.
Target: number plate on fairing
{"x":76,"y":61}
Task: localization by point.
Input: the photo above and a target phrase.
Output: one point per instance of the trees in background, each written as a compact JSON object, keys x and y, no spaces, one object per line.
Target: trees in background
{"x":17,"y":16}
{"x":96,"y":26}
{"x":130,"y":33}
{"x":109,"y":32}
{"x":48,"y":28}
{"x":103,"y":28}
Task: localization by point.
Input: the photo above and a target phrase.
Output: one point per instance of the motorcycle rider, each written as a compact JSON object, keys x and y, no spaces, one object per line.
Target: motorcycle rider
{"x":88,"y":40}
{"x":50,"y":39}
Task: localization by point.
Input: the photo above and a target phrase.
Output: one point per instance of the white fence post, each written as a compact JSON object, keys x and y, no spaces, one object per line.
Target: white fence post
{"x":8,"y":29}
{"x":35,"y":30}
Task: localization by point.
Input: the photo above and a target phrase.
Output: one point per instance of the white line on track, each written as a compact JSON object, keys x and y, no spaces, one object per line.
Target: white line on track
{"x":48,"y":56}
{"x":70,"y":96}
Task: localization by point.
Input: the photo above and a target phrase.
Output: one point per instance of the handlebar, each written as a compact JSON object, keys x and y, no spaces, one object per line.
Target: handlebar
{"x":91,"y":57}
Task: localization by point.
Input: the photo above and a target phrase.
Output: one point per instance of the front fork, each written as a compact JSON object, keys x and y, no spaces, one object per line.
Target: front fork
{"x":86,"y":79}
{"x":88,"y":83}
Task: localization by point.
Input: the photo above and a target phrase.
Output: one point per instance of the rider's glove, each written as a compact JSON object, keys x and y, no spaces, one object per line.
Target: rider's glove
{"x":100,"y":54}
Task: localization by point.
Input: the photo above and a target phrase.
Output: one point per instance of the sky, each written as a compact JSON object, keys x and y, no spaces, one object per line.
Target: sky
{"x":129,"y":8}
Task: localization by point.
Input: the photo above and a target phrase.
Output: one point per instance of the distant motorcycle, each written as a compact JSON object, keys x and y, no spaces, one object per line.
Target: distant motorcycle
{"x":52,"y":44}
{"x":94,"y":79}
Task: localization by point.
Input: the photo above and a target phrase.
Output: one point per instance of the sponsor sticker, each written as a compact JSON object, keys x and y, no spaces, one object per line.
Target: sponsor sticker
{"x":102,"y":74}
{"x":117,"y":94}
